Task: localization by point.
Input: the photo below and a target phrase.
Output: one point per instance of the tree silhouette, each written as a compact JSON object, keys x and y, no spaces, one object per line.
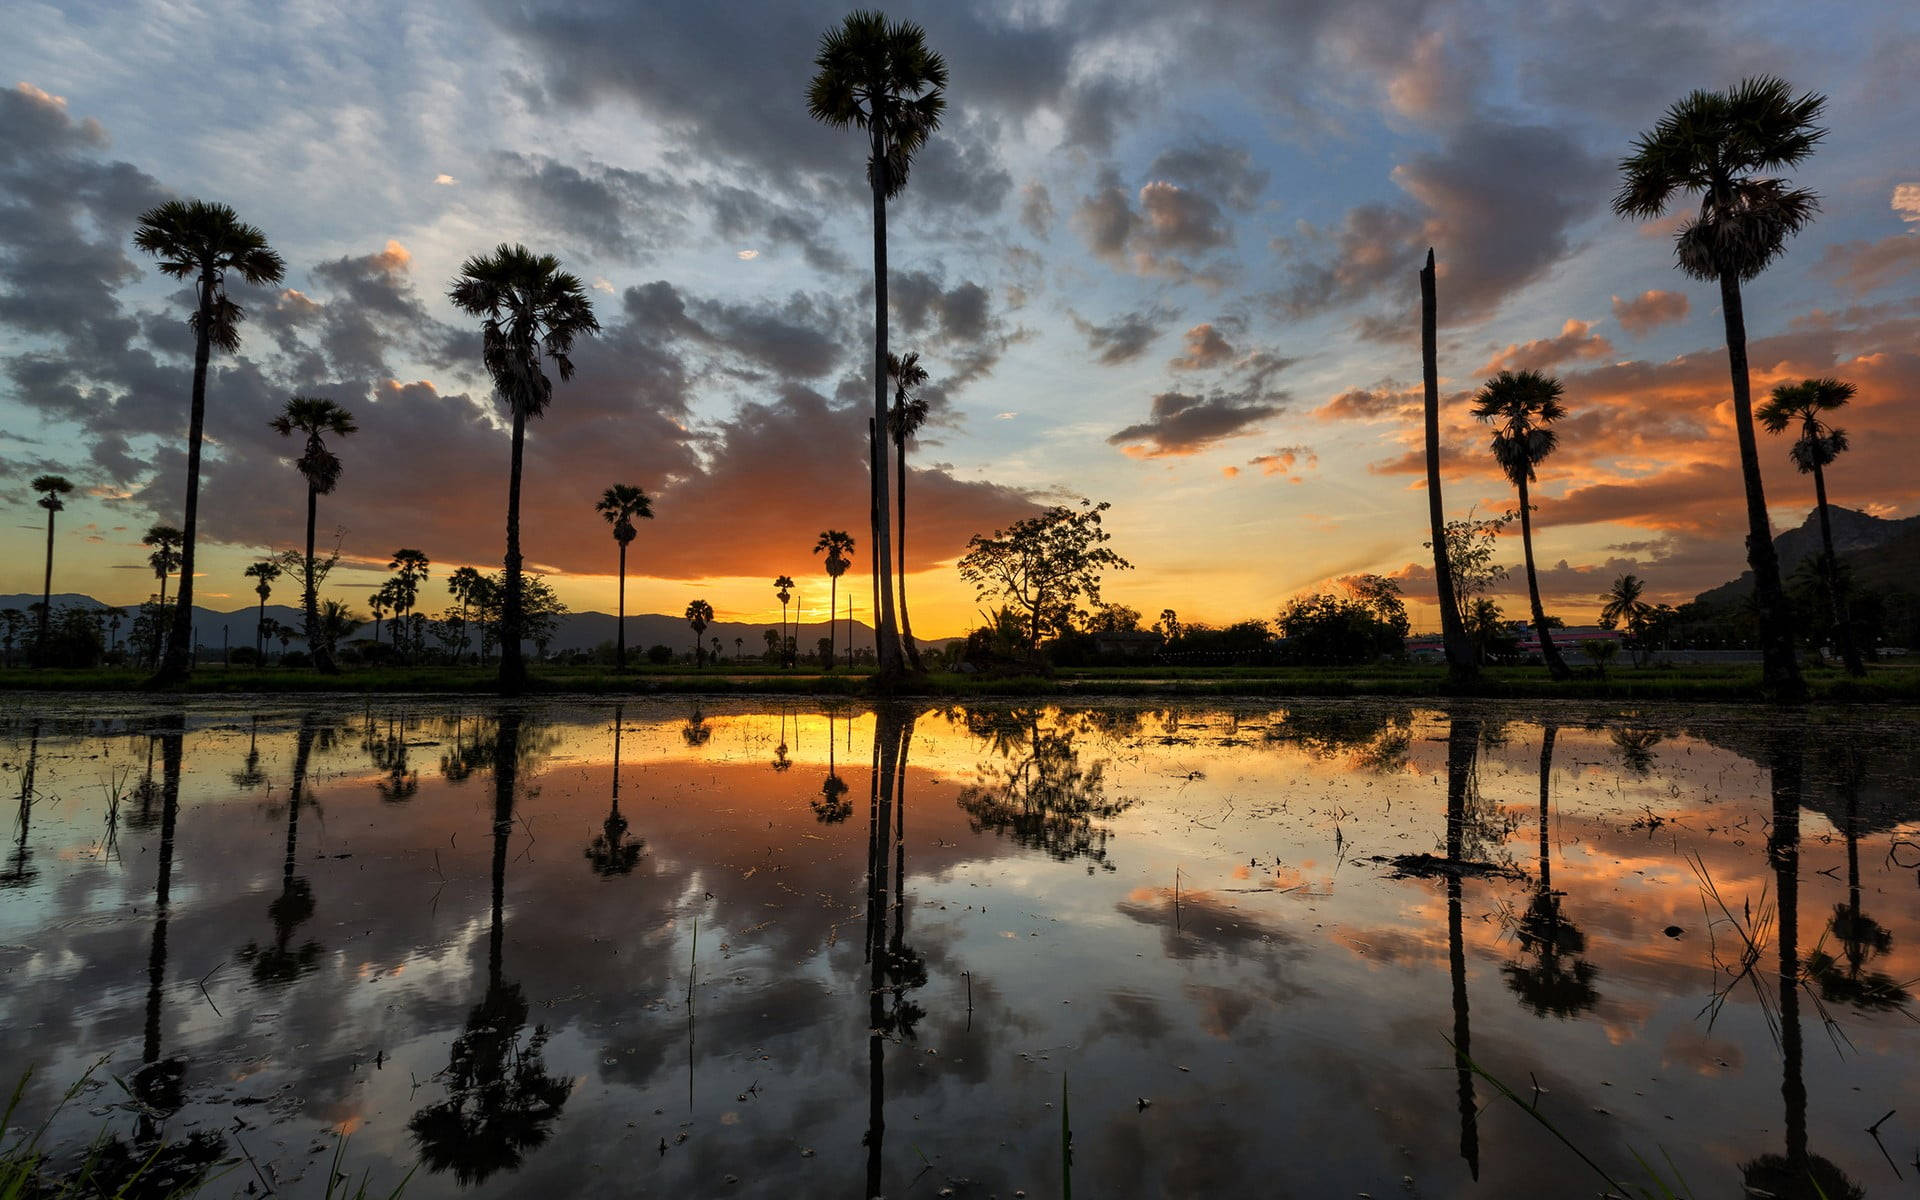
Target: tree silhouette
{"x":1558,"y":982}
{"x":1462,"y":664}
{"x":531,"y":312}
{"x":410,"y":569}
{"x":878,"y":76}
{"x":194,"y":239}
{"x":317,"y":418}
{"x":1806,"y":403}
{"x":282,"y":962}
{"x":783,"y":591}
{"x":165,"y":560}
{"x":1717,"y":144}
{"x":699,"y":616}
{"x":263,"y":574}
{"x":51,"y":489}
{"x":1463,"y":749}
{"x":1522,"y":405}
{"x":909,"y":414}
{"x":469,"y":587}
{"x":1039,"y":792}
{"x":620,"y":504}
{"x":838,"y":546}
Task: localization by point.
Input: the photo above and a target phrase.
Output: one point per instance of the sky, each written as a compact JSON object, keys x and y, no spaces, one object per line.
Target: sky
{"x":1163,"y":256}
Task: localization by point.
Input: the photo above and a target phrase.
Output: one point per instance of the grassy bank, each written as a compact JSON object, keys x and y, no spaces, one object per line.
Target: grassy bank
{"x":1884,"y":684}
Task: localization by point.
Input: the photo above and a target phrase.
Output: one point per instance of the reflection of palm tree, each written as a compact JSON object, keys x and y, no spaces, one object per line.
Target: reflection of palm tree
{"x":611,"y":852}
{"x":833,"y":806}
{"x":1798,"y":1174}
{"x":251,"y":776}
{"x":280,"y":963}
{"x":1463,"y":748}
{"x":894,"y":968}
{"x":1636,"y":747}
{"x":780,"y":760}
{"x":1862,"y":938}
{"x":20,"y":870}
{"x":1559,"y":982}
{"x":389,"y":753}
{"x":501,"y":1101}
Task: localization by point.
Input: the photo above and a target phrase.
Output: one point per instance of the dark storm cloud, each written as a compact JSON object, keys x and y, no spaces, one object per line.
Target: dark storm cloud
{"x":1181,"y":424}
{"x":746,"y":215}
{"x":798,"y":338}
{"x":601,"y":210}
{"x":1124,"y":338}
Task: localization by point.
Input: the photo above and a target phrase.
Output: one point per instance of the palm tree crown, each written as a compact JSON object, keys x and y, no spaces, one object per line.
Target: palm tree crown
{"x":878,"y":76}
{"x":263,"y":573}
{"x":1623,"y":606}
{"x":1805,"y":402}
{"x":699,"y":615}
{"x":197,"y":237}
{"x":909,"y":406}
{"x":528,"y":307}
{"x":51,"y":488}
{"x":317,"y":417}
{"x":838,"y":545}
{"x":1716,"y":143}
{"x":165,"y":540}
{"x":1521,"y":404}
{"x":620,"y":504}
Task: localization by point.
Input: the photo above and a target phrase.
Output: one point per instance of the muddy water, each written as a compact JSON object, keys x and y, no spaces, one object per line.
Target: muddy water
{"x":580,"y":948}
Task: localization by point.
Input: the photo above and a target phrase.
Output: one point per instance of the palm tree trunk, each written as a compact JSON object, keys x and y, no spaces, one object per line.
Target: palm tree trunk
{"x":620,"y":631}
{"x":1547,"y":733}
{"x":833,"y":613}
{"x":900,"y":540}
{"x":1836,"y":610}
{"x":46,"y":591}
{"x":886,"y":636}
{"x":159,"y":622}
{"x":1549,"y":653}
{"x":316,"y":645}
{"x":179,"y":659}
{"x":1462,"y":665}
{"x":1780,"y":670}
{"x":260,"y":635}
{"x":513,"y":667}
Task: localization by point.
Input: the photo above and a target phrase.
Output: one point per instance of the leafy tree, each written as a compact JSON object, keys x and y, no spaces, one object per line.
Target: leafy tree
{"x":837,"y":544}
{"x":1381,"y":597}
{"x":879,"y":76}
{"x":1044,"y":563}
{"x":1487,"y":629}
{"x":620,"y":505}
{"x":1601,"y":651}
{"x":659,"y":655}
{"x":1719,"y":145}
{"x":13,"y":623}
{"x":1325,"y":630}
{"x":1523,"y":405}
{"x":165,"y":559}
{"x":194,"y":239}
{"x":1114,"y":618}
{"x":699,"y":615}
{"x":1806,"y":404}
{"x":909,"y":414}
{"x":263,"y":574}
{"x":466,"y":585}
{"x":51,"y":489}
{"x":337,"y":623}
{"x":317,"y":418}
{"x":1168,"y":626}
{"x":531,"y":312}
{"x":1471,"y":547}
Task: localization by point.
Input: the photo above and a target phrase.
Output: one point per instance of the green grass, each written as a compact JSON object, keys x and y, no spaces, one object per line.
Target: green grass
{"x":1884,"y":684}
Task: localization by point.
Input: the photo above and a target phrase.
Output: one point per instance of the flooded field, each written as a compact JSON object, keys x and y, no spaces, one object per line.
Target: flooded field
{"x":585,"y":948}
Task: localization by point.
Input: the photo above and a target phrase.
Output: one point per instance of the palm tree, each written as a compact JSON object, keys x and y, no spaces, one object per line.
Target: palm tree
{"x":620,"y":504}
{"x":699,"y":615}
{"x":838,"y":545}
{"x":263,"y":573}
{"x":1622,"y":608}
{"x":12,"y":621}
{"x":113,"y":618}
{"x":165,"y":560}
{"x":316,"y":417}
{"x":1716,"y":143}
{"x":1523,"y":404}
{"x":51,"y":488}
{"x":878,"y":76}
{"x":783,"y":591}
{"x":739,"y":648}
{"x":467,"y":586}
{"x":1463,"y":664}
{"x":1813,"y":451}
{"x":909,"y":414}
{"x":202,"y":241}
{"x":411,"y":567}
{"x":530,"y":311}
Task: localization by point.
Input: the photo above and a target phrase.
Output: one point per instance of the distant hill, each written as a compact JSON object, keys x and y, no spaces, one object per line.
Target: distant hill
{"x":577,"y":631}
{"x":1882,"y":553}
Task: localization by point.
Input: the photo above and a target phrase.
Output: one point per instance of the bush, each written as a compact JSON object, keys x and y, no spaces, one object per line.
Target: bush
{"x":296,"y":658}
{"x":659,"y":655}
{"x":243,"y":656}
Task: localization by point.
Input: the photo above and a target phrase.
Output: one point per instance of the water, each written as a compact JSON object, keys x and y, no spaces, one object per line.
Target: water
{"x":580,"y":948}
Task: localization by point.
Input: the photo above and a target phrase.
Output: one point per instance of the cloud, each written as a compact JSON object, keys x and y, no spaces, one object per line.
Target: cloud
{"x":1283,"y":459}
{"x":1649,"y":310}
{"x":1205,"y":348}
{"x":1036,"y":209}
{"x":1576,"y":340}
{"x":1214,"y":168}
{"x":1387,"y":401}
{"x":600,"y":210}
{"x":1181,"y":424}
{"x":1123,"y":339}
{"x":1860,"y":267}
{"x":1170,"y":223}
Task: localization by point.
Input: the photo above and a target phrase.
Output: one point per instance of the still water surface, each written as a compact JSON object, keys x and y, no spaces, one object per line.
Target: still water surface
{"x":588,"y":948}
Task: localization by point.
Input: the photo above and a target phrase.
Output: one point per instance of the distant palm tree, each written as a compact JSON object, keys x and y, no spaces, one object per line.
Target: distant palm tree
{"x":202,"y":241}
{"x":838,"y":545}
{"x":1522,"y":404}
{"x":113,"y":618}
{"x":411,"y":568}
{"x":620,"y":504}
{"x":531,"y":311}
{"x":51,"y":488}
{"x":1622,"y":608}
{"x":699,"y":615}
{"x":783,"y":591}
{"x":263,"y":573}
{"x":316,"y":417}
{"x":1716,"y":144}
{"x":739,"y":648}
{"x":909,"y":414}
{"x":466,"y":585}
{"x":1813,"y":452}
{"x":165,"y":560}
{"x":879,"y":77}
{"x":1170,"y":624}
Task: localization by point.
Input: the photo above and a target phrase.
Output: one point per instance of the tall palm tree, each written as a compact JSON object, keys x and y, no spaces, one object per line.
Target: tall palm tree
{"x":1813,"y":452}
{"x":1717,"y":144}
{"x":202,"y":241}
{"x":263,"y":573}
{"x":410,"y":567}
{"x":165,"y":560}
{"x":838,"y":545}
{"x":620,"y":504}
{"x":878,"y":76}
{"x":783,"y":591}
{"x":317,"y":418}
{"x":530,"y":311}
{"x":51,"y":488}
{"x":909,"y":414}
{"x":1522,"y":404}
{"x":1462,"y":663}
{"x":699,"y":615}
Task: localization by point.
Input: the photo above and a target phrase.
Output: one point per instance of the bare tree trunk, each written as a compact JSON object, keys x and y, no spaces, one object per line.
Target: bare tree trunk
{"x":513,"y":666}
{"x":1462,"y":665}
{"x":1549,"y":653}
{"x":1836,"y":608}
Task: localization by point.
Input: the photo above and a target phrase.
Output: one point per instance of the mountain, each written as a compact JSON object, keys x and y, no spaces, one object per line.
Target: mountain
{"x":1882,"y":553}
{"x":576,"y":631}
